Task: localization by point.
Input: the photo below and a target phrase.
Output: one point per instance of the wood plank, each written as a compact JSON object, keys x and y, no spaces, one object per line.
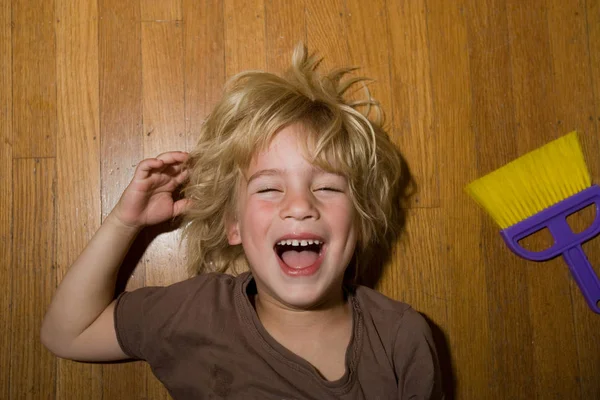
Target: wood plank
{"x":121,"y":123}
{"x":493,"y":121}
{"x":368,"y":47}
{"x":204,"y":62}
{"x":555,"y":368}
{"x":461,"y":254}
{"x":575,"y":49}
{"x":164,"y":125}
{"x":326,"y":33}
{"x":32,"y":368}
{"x":531,"y":69}
{"x":592,"y":13}
{"x":244,"y":36}
{"x":588,"y":325}
{"x":412,"y":112}
{"x":77,"y":162}
{"x":161,"y":10}
{"x":164,"y":130}
{"x":367,"y":24}
{"x":6,"y":190}
{"x":162,"y":79}
{"x":285,"y":26}
{"x":34,"y":78}
{"x":414,"y":276}
{"x":120,"y":68}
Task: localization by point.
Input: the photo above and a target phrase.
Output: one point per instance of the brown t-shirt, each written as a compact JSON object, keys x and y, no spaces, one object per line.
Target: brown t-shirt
{"x":204,"y":340}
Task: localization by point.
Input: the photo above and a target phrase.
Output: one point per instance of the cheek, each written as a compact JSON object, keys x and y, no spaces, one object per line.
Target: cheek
{"x":257,"y":214}
{"x":262,"y":207}
{"x":353,"y":224}
{"x":343,"y":216}
{"x":346,"y":209}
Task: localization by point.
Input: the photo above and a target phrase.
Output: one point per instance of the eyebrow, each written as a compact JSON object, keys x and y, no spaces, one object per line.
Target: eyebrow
{"x":275,"y":172}
{"x":264,"y":172}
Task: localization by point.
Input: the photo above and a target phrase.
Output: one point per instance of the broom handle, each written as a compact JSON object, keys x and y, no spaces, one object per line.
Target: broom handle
{"x":584,"y":275}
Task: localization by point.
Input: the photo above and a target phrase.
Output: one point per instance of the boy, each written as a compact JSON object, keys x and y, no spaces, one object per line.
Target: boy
{"x":290,"y":181}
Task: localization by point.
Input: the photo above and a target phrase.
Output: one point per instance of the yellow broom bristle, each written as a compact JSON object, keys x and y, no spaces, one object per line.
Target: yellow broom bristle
{"x":533,"y":182}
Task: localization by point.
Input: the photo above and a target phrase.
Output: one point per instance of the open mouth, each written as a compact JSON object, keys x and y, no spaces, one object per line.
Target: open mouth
{"x":299,"y":253}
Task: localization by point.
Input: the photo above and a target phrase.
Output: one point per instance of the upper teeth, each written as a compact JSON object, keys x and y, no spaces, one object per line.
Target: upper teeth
{"x":298,"y":242}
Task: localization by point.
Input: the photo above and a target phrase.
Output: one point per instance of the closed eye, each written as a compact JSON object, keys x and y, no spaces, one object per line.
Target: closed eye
{"x":330,"y":189}
{"x":267,"y":190}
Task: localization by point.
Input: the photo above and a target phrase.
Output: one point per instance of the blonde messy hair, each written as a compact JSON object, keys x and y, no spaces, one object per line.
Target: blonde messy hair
{"x":254,"y":108}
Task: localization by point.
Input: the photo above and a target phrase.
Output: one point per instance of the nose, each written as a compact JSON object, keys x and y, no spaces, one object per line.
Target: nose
{"x":299,"y":205}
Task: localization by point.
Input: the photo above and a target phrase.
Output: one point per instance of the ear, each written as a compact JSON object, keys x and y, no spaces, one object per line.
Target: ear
{"x":233,"y":231}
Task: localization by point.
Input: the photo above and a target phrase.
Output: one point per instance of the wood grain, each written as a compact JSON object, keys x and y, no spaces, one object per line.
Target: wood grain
{"x":164,"y":130}
{"x":412,"y":111}
{"x":164,"y":127}
{"x":204,"y":62}
{"x":415,"y":276}
{"x":512,"y":363}
{"x":575,"y":82}
{"x":244,"y":36}
{"x":34,"y":78}
{"x":32,"y":368}
{"x":285,"y":26}
{"x":77,"y":161}
{"x":592,"y":32}
{"x":120,"y":100}
{"x":368,"y":23}
{"x":586,"y":324}
{"x":461,"y":249}
{"x":6,"y":190}
{"x":326,"y":32}
{"x":120,"y":71}
{"x":549,"y":297}
{"x":161,"y":10}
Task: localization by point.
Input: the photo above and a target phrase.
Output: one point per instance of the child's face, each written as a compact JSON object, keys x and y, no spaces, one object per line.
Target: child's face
{"x":284,"y":197}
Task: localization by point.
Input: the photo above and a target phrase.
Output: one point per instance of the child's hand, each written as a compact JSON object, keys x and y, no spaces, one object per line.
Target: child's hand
{"x":148,"y":200}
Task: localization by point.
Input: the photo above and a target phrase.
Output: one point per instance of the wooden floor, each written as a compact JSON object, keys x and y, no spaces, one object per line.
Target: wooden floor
{"x":89,"y":88}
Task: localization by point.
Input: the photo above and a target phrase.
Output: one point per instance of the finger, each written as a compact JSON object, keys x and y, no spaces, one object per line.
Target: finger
{"x":173,"y":157}
{"x":182,"y":177}
{"x":181,"y":206}
{"x":173,"y":183}
{"x":174,"y":171}
{"x":170,"y":160}
{"x":146,"y":166}
{"x":168,"y":179}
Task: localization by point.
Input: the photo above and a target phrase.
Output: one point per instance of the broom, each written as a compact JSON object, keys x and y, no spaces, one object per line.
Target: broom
{"x":540,"y":190}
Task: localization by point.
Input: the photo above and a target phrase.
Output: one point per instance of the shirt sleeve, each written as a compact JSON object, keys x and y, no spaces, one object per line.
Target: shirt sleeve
{"x":130,"y":316}
{"x":415,"y":360}
{"x":146,"y":318}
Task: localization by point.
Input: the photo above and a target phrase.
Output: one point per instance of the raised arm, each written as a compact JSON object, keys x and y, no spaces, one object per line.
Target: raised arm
{"x":79,"y":322}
